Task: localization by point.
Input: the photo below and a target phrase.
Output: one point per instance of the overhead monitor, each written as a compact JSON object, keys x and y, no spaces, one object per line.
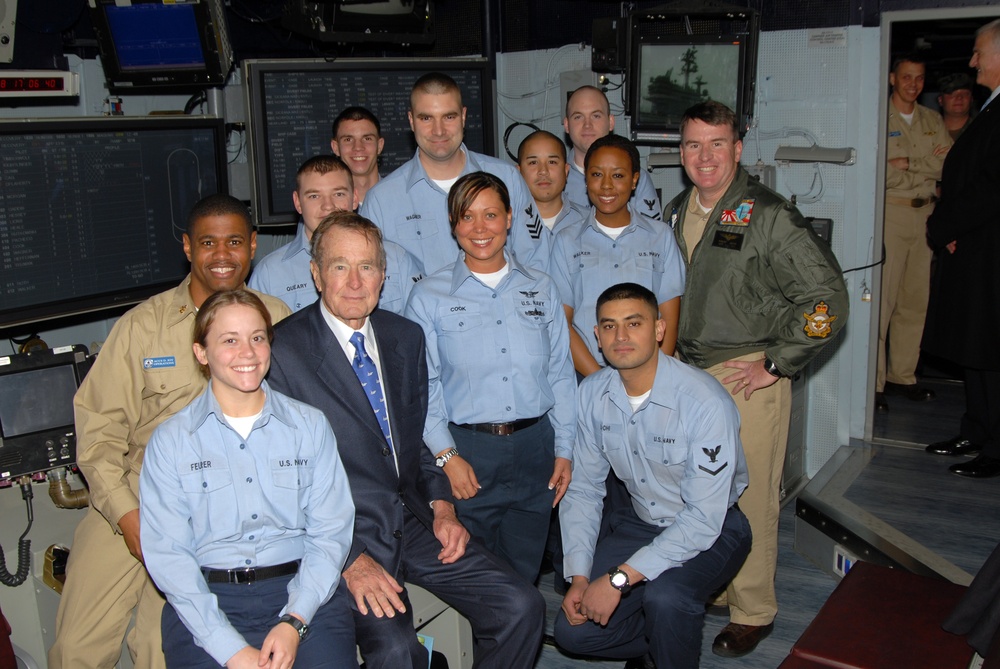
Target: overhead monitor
{"x":162,"y":45}
{"x":373,"y":21}
{"x":92,"y":209}
{"x":292,"y":103}
{"x":672,"y":66}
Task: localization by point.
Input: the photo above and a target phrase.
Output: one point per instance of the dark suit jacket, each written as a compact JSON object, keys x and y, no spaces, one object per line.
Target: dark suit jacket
{"x":308,"y":363}
{"x":964,"y":313}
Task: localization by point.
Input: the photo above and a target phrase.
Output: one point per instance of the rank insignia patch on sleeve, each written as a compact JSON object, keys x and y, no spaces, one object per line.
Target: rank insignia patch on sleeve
{"x":818,"y":322}
{"x":713,"y":459}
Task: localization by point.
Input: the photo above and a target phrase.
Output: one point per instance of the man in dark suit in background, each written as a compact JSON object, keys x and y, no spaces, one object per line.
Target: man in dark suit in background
{"x":963,"y":319}
{"x":373,"y":390}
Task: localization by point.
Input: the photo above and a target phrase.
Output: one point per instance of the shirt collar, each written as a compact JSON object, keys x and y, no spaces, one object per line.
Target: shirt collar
{"x":417,"y":173}
{"x":343,"y":332}
{"x":635,"y":220}
{"x":996,"y":91}
{"x":736,"y":190}
{"x":206,"y":405}
{"x":181,"y":305}
{"x":461,"y":273}
{"x":299,"y":244}
{"x":664,"y":392}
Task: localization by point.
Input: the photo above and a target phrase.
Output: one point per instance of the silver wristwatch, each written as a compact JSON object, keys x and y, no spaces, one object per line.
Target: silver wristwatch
{"x":442,"y":460}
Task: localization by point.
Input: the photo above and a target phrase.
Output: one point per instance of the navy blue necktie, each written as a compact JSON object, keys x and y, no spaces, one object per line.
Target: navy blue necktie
{"x":367,"y":373}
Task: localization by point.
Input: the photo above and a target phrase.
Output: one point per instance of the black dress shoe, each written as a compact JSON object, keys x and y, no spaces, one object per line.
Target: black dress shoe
{"x":737,"y":640}
{"x":912,"y":392}
{"x":954,"y":446}
{"x":980,"y":467}
{"x":881,"y":406}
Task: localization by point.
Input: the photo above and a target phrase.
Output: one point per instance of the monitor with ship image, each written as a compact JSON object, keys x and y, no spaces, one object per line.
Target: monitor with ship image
{"x":670,"y":71}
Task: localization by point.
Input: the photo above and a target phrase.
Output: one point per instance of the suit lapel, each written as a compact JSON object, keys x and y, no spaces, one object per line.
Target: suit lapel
{"x":335,"y":372}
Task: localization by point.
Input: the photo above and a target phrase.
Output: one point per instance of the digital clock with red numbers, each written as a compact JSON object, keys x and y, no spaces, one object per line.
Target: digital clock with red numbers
{"x":38,"y":83}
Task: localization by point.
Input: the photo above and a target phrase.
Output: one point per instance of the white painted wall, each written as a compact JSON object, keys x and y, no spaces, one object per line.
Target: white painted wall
{"x":831,"y":91}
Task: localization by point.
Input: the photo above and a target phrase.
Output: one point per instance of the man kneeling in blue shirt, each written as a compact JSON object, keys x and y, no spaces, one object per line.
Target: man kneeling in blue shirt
{"x":671,"y":434}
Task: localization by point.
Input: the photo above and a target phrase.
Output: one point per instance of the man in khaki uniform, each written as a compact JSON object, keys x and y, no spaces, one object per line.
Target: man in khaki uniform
{"x":763,"y":296}
{"x":145,"y":373}
{"x":917,"y":144}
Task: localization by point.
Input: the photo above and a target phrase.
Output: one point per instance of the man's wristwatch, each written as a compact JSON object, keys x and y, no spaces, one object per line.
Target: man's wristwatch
{"x":443,"y":459}
{"x":772,"y":368}
{"x":619,"y":580}
{"x":299,"y":626}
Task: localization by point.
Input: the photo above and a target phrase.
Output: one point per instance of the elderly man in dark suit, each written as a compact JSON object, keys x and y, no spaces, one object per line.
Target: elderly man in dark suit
{"x":963,"y":321}
{"x":366,"y":370}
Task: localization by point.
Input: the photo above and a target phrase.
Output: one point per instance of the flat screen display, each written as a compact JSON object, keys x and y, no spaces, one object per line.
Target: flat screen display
{"x":36,"y":400}
{"x":292,"y":106}
{"x":155,"y":37}
{"x":92,"y":210}
{"x":673,"y":77}
{"x":166,"y":46}
{"x":679,"y":59}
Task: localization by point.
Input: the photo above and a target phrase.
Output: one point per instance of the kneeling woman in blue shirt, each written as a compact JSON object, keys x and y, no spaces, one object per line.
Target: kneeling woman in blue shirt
{"x":246,"y":511}
{"x":502,"y":415}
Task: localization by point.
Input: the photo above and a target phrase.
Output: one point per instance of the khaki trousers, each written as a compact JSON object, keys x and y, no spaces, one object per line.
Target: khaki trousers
{"x":104,"y":583}
{"x":764,"y":432}
{"x":905,"y":291}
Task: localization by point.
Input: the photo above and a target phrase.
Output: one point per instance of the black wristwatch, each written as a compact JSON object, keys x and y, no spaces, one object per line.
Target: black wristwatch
{"x":300,"y":627}
{"x":619,"y":580}
{"x":772,"y":368}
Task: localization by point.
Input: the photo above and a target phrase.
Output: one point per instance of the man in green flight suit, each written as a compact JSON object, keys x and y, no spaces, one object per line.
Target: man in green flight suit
{"x":763,"y":296}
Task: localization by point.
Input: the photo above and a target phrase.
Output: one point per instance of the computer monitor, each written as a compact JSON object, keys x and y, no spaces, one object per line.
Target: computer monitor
{"x":36,"y":409}
{"x":93,"y":209}
{"x":679,"y":60}
{"x":292,"y":105}
{"x":162,"y":45}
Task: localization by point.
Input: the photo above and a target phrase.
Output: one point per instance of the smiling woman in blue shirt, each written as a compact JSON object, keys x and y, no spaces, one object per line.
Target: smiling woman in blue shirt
{"x":501,"y":412}
{"x":246,"y":512}
{"x":614,"y":244}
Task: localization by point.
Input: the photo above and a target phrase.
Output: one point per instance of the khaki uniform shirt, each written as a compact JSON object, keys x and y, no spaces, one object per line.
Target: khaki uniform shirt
{"x":915,"y":141}
{"x":145,"y":373}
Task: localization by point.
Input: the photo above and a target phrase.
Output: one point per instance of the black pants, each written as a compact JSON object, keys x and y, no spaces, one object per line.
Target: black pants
{"x":981,"y":422}
{"x":506,"y":612}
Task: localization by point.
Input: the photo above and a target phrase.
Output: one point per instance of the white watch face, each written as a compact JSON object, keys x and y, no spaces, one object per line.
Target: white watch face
{"x":619,"y":579}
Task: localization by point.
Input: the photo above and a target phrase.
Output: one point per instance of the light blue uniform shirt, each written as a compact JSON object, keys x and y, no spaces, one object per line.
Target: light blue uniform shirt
{"x":679,"y":456}
{"x":494,"y":355}
{"x":569,"y":214}
{"x":285,"y":274}
{"x":644,"y":199}
{"x":209,"y":498}
{"x":585,"y":262}
{"x":412,"y":211}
